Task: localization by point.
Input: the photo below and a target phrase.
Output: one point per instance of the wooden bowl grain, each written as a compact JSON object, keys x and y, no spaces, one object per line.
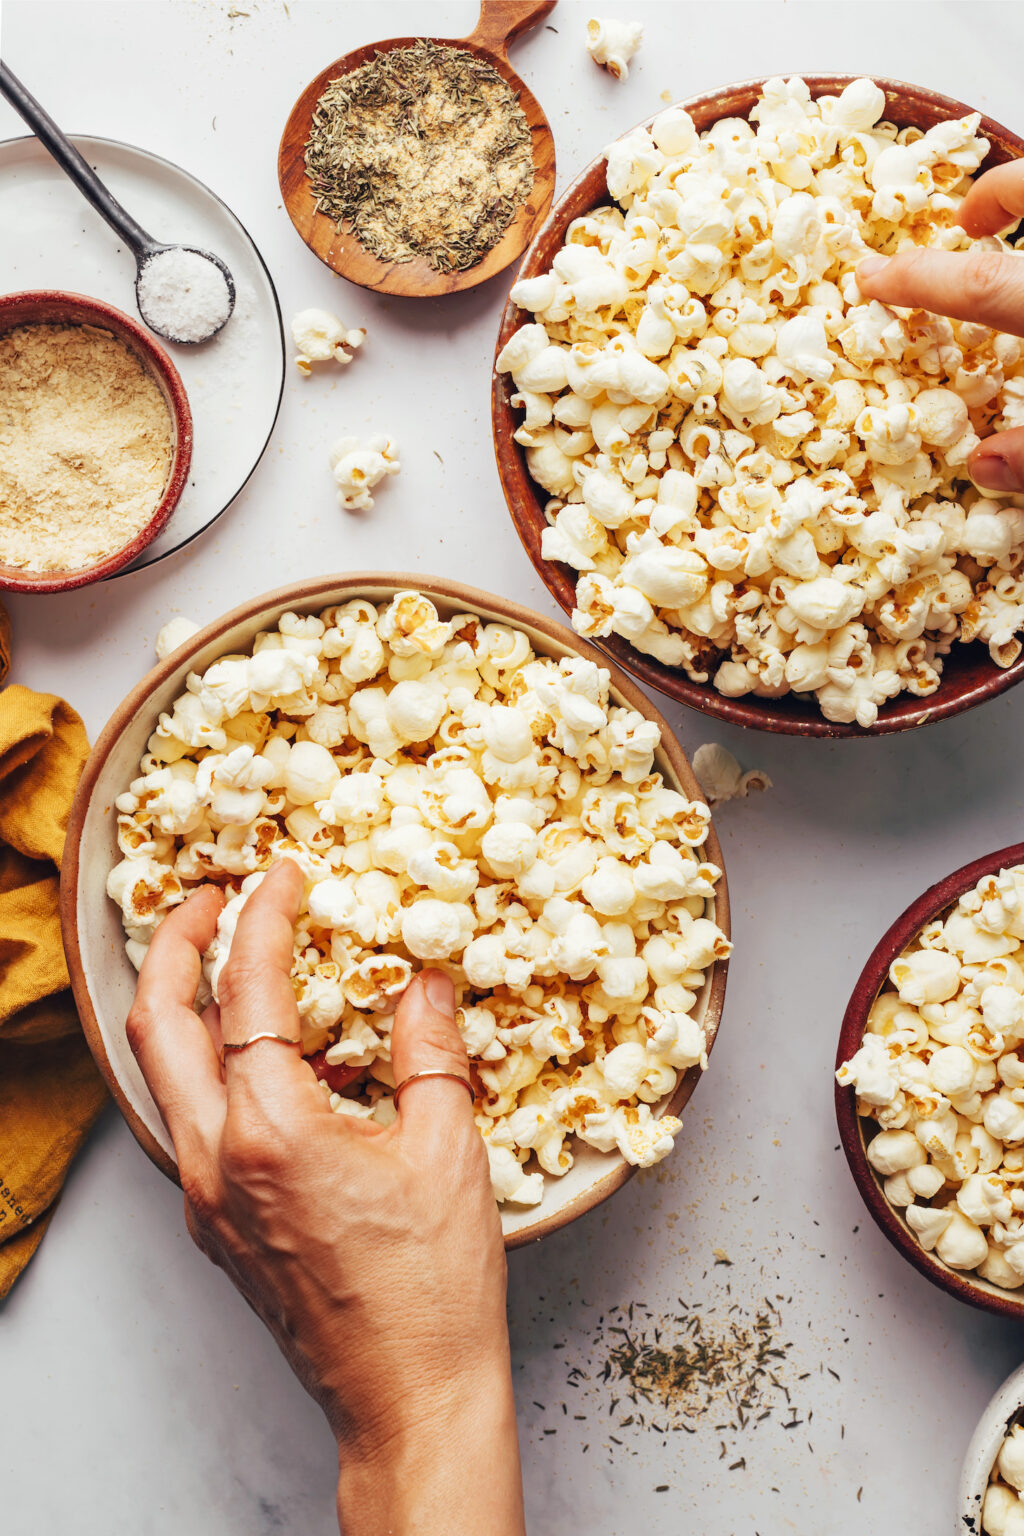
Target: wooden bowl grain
{"x":102,"y":977}
{"x":970,"y":677}
{"x":856,"y":1131}
{"x":500,"y":22}
{"x":54,"y":307}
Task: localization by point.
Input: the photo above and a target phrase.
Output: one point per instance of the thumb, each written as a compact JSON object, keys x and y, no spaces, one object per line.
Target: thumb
{"x":998,"y":464}
{"x":425,"y":1039}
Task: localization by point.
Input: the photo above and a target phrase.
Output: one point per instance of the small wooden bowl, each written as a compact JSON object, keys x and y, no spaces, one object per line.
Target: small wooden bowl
{"x":500,"y":21}
{"x":856,"y":1131}
{"x":969,"y":674}
{"x":102,"y":977}
{"x":52,"y":307}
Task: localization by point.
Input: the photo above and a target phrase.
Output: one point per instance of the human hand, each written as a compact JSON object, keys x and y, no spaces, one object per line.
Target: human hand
{"x":373,"y":1254}
{"x":985,"y":286}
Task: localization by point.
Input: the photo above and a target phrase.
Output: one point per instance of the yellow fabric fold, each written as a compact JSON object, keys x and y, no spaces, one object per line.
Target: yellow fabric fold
{"x":50,"y":1089}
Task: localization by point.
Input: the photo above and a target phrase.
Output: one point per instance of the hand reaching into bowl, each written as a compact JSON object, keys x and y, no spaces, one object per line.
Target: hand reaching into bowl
{"x":984,"y":286}
{"x":373,"y":1255}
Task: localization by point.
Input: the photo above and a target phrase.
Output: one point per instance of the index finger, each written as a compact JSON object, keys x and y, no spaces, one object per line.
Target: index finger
{"x":995,"y":201}
{"x":170,"y":1042}
{"x":984,"y":286}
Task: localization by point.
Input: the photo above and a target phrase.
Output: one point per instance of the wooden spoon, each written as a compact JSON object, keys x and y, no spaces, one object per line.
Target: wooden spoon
{"x":500,"y":21}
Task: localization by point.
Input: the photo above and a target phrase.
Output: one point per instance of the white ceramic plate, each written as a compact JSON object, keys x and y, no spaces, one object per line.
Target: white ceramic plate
{"x":103,"y":977}
{"x":51,"y":238}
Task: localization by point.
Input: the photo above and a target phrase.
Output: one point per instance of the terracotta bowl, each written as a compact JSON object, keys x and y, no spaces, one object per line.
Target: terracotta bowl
{"x":1002,"y":1412}
{"x":103,"y":978}
{"x":856,"y":1131}
{"x":970,"y":676}
{"x":53,"y":307}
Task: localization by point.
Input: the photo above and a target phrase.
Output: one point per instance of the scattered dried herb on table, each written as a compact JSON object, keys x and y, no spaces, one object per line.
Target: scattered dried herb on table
{"x":425,"y":151}
{"x":701,"y":1363}
{"x":724,"y":1368}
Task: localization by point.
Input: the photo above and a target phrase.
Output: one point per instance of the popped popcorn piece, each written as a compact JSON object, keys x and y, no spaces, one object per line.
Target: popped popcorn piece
{"x":174,"y":633}
{"x":358,"y":470}
{"x":721,"y":777}
{"x":758,"y":477}
{"x":1002,"y":1511}
{"x":939,"y":1069}
{"x":452,"y":799}
{"x":613,"y":43}
{"x":1010,"y":1460}
{"x":321,"y":337}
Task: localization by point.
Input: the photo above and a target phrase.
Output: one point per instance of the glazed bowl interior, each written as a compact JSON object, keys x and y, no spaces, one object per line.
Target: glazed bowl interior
{"x":1001,"y":1413}
{"x":857,"y":1131}
{"x":969,"y":677}
{"x":103,"y":978}
{"x":45,"y":307}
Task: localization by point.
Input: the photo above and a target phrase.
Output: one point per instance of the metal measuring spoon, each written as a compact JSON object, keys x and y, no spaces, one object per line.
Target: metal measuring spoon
{"x":166,"y":275}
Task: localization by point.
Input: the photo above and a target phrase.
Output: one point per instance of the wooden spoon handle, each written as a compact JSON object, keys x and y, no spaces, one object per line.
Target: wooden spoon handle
{"x":502,"y":20}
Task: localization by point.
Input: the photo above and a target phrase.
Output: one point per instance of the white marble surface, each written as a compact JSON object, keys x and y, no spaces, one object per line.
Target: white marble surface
{"x":138,"y":1392}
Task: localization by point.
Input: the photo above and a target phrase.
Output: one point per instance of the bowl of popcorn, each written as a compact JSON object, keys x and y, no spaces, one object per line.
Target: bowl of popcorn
{"x":930,"y":1083}
{"x":992,"y":1479}
{"x":465,"y":785}
{"x":742,"y":480}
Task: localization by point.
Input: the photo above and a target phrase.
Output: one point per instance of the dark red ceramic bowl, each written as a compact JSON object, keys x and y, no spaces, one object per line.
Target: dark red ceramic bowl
{"x":53,"y":307}
{"x":969,"y":677}
{"x":856,"y":1131}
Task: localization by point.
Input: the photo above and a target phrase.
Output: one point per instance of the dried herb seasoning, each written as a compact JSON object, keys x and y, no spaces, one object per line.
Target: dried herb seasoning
{"x":721,"y":1366}
{"x":732,"y":1365}
{"x":424,"y":151}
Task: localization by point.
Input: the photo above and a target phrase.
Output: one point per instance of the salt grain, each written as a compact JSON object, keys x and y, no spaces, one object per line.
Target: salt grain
{"x":183,"y":295}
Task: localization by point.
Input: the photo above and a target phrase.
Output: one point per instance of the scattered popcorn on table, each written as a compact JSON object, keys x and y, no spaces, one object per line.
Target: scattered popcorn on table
{"x":1002,"y":1513}
{"x":321,"y":337}
{"x":454,"y":799}
{"x":721,"y":777}
{"x":760,"y":477}
{"x":358,"y":470}
{"x":174,"y":633}
{"x":613,"y":43}
{"x":940,"y":1069}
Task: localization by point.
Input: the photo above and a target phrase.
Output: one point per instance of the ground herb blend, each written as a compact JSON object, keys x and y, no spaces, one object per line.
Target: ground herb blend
{"x":425,"y":151}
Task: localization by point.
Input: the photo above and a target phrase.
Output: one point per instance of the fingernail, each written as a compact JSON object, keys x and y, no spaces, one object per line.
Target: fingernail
{"x":991,"y":472}
{"x":872,"y":265}
{"x":440,"y":991}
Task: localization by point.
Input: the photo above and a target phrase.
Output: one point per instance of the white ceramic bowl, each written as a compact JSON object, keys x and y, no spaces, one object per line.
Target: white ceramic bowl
{"x":983,"y":1450}
{"x":103,"y":978}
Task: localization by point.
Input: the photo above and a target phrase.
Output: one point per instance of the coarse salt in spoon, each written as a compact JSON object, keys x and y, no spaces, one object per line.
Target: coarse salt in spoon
{"x":184,"y":294}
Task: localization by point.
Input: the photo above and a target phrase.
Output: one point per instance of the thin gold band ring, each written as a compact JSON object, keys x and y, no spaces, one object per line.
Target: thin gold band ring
{"x":456,"y":1077}
{"x":264,"y":1034}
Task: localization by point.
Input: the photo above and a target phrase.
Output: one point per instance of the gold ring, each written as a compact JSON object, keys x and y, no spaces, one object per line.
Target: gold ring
{"x":264,"y":1034}
{"x":456,"y":1077}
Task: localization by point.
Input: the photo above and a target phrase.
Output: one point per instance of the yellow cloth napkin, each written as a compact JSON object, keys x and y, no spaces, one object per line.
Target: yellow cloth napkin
{"x":50,"y":1090}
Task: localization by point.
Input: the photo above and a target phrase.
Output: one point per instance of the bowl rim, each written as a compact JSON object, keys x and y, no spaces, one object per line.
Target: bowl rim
{"x":304,"y":595}
{"x":524,"y":501}
{"x":980,"y":1457}
{"x":935,"y":900}
{"x":97,"y":312}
